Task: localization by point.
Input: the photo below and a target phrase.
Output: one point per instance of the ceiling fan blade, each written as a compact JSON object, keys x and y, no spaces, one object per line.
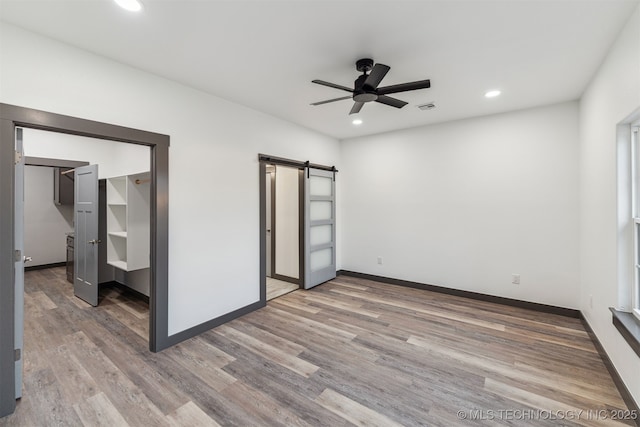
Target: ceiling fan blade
{"x":332,"y":100}
{"x":333,"y":85}
{"x":357,"y":106}
{"x":387,"y":100}
{"x":376,"y":75}
{"x":404,"y":87}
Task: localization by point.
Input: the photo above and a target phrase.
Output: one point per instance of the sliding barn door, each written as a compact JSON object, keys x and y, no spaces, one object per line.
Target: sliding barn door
{"x":319,"y":227}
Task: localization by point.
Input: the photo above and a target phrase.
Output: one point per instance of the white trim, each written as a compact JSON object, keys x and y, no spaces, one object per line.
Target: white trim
{"x":634,"y":174}
{"x":635,"y":201}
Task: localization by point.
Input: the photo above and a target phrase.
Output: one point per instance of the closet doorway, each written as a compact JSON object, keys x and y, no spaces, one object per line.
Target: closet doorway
{"x":297,"y":225}
{"x":69,"y":262}
{"x":282,"y":223}
{"x":121,"y":189}
{"x":11,"y":259}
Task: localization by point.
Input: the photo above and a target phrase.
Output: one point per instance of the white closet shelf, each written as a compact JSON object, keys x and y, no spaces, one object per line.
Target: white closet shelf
{"x":122,"y":265}
{"x":128,"y":221}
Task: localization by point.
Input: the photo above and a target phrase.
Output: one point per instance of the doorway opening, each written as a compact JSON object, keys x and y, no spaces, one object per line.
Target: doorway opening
{"x":297,"y":225}
{"x":120,"y":241}
{"x":282,"y":222}
{"x":67,"y":215}
{"x":11,"y":260}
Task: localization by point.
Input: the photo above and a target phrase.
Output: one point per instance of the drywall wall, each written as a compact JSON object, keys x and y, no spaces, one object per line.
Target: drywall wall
{"x":612,"y":95}
{"x":466,"y":204}
{"x":287,"y":222}
{"x":113,"y":158}
{"x":45,"y":223}
{"x":214,"y":216}
{"x":138,"y":280}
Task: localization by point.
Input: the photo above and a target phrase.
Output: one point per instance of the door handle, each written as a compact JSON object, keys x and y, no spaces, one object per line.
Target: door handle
{"x":95,"y":241}
{"x":27,"y":259}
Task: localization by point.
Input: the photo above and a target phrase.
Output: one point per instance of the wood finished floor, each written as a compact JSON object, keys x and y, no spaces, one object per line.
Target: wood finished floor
{"x":348,"y":352}
{"x":276,"y":288}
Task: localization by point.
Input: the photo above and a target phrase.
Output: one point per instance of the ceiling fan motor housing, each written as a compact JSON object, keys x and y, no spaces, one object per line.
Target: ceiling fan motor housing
{"x":362,"y":92}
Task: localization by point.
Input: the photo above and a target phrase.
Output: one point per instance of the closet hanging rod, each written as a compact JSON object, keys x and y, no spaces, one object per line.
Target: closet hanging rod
{"x":66,"y":172}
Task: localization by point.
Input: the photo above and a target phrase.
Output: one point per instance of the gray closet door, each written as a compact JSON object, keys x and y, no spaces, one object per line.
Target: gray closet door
{"x":85,"y":270}
{"x":19,"y":259}
{"x":320,"y":227}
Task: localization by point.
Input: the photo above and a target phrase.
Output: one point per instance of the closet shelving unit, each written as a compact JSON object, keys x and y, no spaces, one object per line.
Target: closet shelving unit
{"x":128,"y":221}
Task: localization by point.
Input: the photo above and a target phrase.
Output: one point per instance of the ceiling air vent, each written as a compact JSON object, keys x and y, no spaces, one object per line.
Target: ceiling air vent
{"x":427,"y":106}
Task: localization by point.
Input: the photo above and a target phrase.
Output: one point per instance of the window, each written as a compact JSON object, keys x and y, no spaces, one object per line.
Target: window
{"x":635,"y":203}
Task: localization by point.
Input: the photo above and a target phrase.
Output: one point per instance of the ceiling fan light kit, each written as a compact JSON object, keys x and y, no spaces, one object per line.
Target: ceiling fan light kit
{"x":366,"y":87}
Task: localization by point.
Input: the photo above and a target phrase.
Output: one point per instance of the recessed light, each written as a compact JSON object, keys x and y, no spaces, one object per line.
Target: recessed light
{"x":130,"y":5}
{"x":357,"y":122}
{"x":492,"y":93}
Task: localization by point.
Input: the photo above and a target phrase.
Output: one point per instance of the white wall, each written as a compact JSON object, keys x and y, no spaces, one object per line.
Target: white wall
{"x":113,"y":158}
{"x":213,"y":165}
{"x":45,"y":223}
{"x":465,"y":204}
{"x":611,"y":96}
{"x":287,"y":233}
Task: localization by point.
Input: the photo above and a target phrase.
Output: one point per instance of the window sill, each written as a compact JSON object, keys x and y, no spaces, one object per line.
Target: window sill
{"x":629,"y":327}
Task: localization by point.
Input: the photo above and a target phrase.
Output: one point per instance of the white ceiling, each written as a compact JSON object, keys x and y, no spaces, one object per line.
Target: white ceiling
{"x":264,"y":54}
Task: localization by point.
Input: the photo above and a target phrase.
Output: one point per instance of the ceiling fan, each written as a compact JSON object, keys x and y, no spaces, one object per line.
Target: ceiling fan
{"x":366,"y":87}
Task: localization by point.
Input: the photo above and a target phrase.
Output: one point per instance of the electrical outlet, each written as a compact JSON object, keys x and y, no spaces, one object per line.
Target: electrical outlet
{"x":380,"y":260}
{"x":515,"y":279}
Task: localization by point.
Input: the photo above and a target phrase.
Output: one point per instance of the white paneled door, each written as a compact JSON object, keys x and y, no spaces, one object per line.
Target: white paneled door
{"x":319,"y":227}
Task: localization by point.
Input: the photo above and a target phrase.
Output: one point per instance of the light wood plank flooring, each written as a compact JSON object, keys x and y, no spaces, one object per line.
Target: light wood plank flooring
{"x":347,"y":352}
{"x":276,"y":288}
